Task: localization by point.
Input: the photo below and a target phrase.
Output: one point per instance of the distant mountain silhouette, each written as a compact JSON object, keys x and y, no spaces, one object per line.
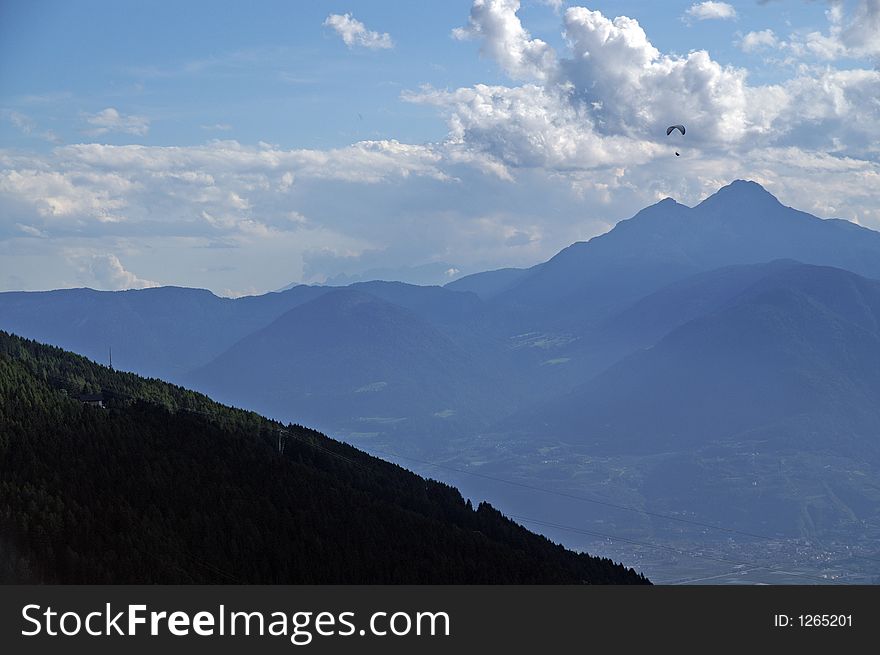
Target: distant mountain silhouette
{"x":162,"y":485}
{"x":793,"y":358}
{"x":689,"y":342}
{"x":163,"y":331}
{"x":491,"y":283}
{"x":448,"y":359}
{"x":740,"y":224}
{"x":351,"y":360}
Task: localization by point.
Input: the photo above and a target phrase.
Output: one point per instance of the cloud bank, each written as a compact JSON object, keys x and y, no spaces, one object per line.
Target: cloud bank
{"x":572,"y":142}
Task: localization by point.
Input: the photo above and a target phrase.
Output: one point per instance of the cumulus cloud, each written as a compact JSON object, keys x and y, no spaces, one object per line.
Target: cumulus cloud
{"x":603,"y":105}
{"x":861,"y":35}
{"x":759,"y":40}
{"x":573,"y":142}
{"x":607,"y":102}
{"x":506,"y":41}
{"x":855,"y":35}
{"x":596,"y":115}
{"x":110,"y":120}
{"x":710,"y":11}
{"x":108,"y":272}
{"x":57,"y":194}
{"x":355,"y":33}
{"x":529,"y":126}
{"x":222,"y":184}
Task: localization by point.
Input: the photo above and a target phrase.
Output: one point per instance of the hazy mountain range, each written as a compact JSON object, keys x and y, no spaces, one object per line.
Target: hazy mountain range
{"x":159,"y":485}
{"x":736,"y":325}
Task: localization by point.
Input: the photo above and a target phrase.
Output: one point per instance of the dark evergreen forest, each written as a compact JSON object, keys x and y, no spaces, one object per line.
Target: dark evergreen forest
{"x":162,"y":485}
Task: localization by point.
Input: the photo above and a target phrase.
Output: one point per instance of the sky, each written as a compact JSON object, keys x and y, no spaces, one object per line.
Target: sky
{"x":242,"y":147}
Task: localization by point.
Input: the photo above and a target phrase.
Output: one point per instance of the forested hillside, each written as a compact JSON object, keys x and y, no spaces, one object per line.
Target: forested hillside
{"x":162,"y":485}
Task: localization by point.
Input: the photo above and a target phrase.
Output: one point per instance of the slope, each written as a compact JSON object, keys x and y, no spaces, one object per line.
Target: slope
{"x":794,"y":358}
{"x":351,"y":362}
{"x":163,"y":331}
{"x":165,"y":486}
{"x":740,"y":224}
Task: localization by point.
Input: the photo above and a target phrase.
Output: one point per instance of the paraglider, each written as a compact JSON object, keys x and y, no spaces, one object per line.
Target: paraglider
{"x":671,"y":128}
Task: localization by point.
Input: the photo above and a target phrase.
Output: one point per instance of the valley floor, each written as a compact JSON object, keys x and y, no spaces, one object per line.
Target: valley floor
{"x":630,"y":509}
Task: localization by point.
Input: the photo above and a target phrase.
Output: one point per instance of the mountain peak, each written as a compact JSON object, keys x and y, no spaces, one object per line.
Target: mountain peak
{"x":664,"y":209}
{"x":667,"y":203}
{"x":742,"y":190}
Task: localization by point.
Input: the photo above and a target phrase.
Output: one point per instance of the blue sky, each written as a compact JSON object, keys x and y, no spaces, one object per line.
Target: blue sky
{"x":243,"y":146}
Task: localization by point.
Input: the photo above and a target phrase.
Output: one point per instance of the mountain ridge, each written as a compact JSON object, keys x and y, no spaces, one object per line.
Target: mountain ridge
{"x":162,"y":485}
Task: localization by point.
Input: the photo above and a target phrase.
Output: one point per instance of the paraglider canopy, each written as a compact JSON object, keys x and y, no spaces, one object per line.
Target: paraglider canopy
{"x":672,"y":128}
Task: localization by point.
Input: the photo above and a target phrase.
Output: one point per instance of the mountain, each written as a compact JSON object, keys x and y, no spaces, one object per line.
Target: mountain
{"x":649,"y":319}
{"x":162,"y":485}
{"x":759,"y":413}
{"x":793,"y":359}
{"x":162,"y":332}
{"x":440,"y":305}
{"x":449,"y":361}
{"x":740,"y":224}
{"x":424,"y":274}
{"x":490,"y":283}
{"x":351,"y":361}
{"x":717,"y":361}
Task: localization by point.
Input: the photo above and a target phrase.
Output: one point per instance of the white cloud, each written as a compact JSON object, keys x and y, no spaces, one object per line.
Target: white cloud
{"x":506,"y":41}
{"x":54,"y":194}
{"x":110,"y":120}
{"x":286,"y":181}
{"x":597,"y":116}
{"x":605,"y":104}
{"x":529,"y":126}
{"x":571,"y":144}
{"x":355,"y":33}
{"x":711,"y":11}
{"x":855,"y":36}
{"x":821,"y":45}
{"x":31,"y":231}
{"x":609,"y":101}
{"x":861,"y":36}
{"x":220,"y":193}
{"x":755,"y":41}
{"x":108,"y":272}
